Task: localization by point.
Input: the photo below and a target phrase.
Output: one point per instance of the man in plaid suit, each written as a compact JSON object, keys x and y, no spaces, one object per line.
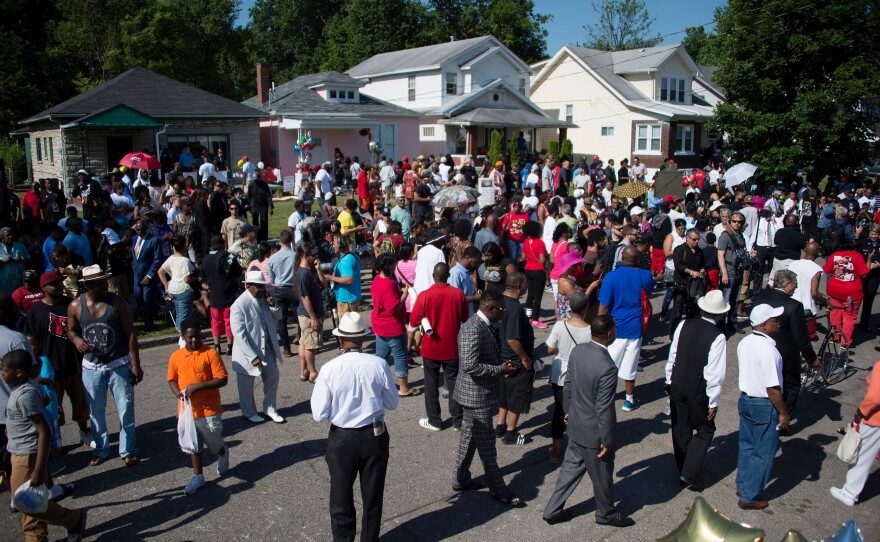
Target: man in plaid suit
{"x":477,"y":393}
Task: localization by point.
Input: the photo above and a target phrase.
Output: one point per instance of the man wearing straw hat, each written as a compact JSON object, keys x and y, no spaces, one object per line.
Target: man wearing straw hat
{"x":694,"y":376}
{"x":352,"y":392}
{"x":100,"y":326}
{"x":255,"y":350}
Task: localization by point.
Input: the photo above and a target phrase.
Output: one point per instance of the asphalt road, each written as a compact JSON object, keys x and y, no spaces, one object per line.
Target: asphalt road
{"x":278,"y":485}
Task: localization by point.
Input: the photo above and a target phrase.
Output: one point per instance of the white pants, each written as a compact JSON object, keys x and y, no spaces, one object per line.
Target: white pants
{"x":555,"y":285}
{"x":245,"y":383}
{"x":625,"y":353}
{"x":857,"y":474}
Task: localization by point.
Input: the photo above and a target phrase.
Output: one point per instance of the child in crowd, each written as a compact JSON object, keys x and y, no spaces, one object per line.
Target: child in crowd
{"x":29,"y":443}
{"x":197,"y":372}
{"x":44,"y":374}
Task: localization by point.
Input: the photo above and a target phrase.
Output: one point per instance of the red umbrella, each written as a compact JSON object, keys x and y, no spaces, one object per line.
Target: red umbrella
{"x":140,"y":160}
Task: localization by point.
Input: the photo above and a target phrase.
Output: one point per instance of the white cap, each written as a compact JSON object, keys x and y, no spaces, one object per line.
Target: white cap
{"x":636,"y":210}
{"x":84,"y":172}
{"x":328,"y":195}
{"x":762,"y":313}
{"x":260,"y":165}
{"x":578,"y":193}
{"x":716,"y":204}
{"x":535,"y":167}
{"x":442,"y":159}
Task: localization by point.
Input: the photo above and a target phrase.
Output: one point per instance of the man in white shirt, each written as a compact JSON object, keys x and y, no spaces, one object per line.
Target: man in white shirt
{"x":809,"y":273}
{"x":694,"y":376}
{"x":547,"y":174}
{"x":582,"y":179}
{"x":751,"y":226}
{"x":206,"y":170}
{"x":352,"y":392}
{"x":324,"y":182}
{"x":762,"y":412}
{"x":532,"y":180}
{"x":444,"y":169}
{"x":638,"y":171}
{"x":295,"y":222}
{"x":386,"y":174}
{"x":248,"y":169}
{"x":429,"y":255}
{"x":714,"y":175}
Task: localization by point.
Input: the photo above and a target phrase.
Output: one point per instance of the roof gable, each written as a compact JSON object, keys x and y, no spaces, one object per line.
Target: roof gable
{"x":415,"y":59}
{"x":118,"y":116}
{"x":151,"y":94}
{"x":461,"y":103}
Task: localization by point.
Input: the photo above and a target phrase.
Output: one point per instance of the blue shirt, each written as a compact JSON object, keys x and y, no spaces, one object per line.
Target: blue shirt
{"x":348,"y":266}
{"x":80,"y":245}
{"x":185,"y":159}
{"x":281,"y":267}
{"x":460,"y":277}
{"x":621,"y":294}
{"x":48,"y":248}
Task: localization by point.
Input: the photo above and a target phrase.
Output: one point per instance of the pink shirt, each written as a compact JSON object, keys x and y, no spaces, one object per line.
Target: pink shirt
{"x":406,"y":274}
{"x":388,"y":318}
{"x":558,"y":250}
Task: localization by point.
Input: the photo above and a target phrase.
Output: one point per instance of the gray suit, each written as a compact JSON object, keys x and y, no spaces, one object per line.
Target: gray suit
{"x":588,"y":398}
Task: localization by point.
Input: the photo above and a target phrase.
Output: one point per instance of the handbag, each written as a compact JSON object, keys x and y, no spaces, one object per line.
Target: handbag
{"x":187,"y":435}
{"x":848,"y":449}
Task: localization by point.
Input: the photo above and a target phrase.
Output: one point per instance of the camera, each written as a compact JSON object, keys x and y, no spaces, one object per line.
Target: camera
{"x":746,"y":263}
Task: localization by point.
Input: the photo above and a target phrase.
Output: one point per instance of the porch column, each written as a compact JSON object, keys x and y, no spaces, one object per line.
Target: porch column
{"x":471,"y":140}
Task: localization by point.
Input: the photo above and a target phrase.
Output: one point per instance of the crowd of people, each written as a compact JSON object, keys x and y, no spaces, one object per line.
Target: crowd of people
{"x":454,"y":291}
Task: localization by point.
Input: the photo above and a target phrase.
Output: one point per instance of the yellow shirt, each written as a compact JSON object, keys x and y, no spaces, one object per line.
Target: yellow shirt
{"x":346,"y":222}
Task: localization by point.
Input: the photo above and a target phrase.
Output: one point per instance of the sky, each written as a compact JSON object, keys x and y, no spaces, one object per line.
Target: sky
{"x":569,"y":17}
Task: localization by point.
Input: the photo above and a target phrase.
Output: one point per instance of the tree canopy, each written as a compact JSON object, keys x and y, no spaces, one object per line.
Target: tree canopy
{"x":621,"y":25}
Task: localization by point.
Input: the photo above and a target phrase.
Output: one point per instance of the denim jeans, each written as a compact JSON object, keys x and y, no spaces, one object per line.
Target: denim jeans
{"x":514,"y":250}
{"x":758,"y":439}
{"x":96,"y":384}
{"x":183,"y":303}
{"x":731,"y":295}
{"x":285,"y":300}
{"x":397,"y":347}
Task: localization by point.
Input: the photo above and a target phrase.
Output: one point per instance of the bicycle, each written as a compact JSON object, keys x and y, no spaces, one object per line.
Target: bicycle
{"x":833,"y":354}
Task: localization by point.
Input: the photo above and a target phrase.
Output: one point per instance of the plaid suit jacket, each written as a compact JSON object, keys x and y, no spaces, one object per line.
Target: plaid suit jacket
{"x":479,"y":358}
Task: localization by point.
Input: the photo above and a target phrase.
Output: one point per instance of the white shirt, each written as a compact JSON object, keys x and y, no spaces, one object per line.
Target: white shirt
{"x":294,"y":223}
{"x":788,"y":205}
{"x":564,"y":340}
{"x":581,"y":181}
{"x":206,"y":170}
{"x":444,"y":171}
{"x":249,"y":170}
{"x":751,"y":225}
{"x":760,"y":365}
{"x":387,"y":175}
{"x":606,"y":195}
{"x":805,"y":271}
{"x":766,"y":233}
{"x":324,"y":181}
{"x":351,"y":389}
{"x":550,"y":224}
{"x":675,"y":214}
{"x":713,"y":372}
{"x":714,"y":175}
{"x":532,"y":181}
{"x":637,"y":172}
{"x":427,"y":258}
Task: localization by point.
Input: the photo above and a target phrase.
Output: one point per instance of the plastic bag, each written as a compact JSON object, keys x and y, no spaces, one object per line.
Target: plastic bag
{"x":848,"y":449}
{"x":31,"y":500}
{"x":187,"y":436}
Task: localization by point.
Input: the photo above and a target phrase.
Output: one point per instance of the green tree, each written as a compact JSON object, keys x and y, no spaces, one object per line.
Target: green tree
{"x":702,"y":46}
{"x":513,"y":152}
{"x":799,"y":92}
{"x":496,"y":146}
{"x":565,"y":152}
{"x":553,"y":148}
{"x":621,"y":25}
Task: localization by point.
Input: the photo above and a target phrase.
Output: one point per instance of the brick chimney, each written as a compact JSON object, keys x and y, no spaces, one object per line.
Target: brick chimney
{"x":264,"y":83}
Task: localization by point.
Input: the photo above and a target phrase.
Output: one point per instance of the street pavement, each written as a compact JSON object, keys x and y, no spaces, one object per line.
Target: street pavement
{"x":278,"y":485}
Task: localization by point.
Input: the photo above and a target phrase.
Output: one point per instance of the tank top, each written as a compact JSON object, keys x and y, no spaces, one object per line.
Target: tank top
{"x":104,"y":333}
{"x":496,"y":275}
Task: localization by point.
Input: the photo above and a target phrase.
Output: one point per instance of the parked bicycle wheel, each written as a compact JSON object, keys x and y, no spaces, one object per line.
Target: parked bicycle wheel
{"x":835,"y":358}
{"x":808,"y":376}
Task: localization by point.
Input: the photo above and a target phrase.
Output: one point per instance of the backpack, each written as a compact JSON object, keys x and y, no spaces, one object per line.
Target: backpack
{"x":833,"y":238}
{"x":386,"y":246}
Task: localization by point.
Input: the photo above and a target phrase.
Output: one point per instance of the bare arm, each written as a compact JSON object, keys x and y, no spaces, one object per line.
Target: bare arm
{"x":127,"y":324}
{"x":517,"y":348}
{"x":602,"y":309}
{"x":775,"y":396}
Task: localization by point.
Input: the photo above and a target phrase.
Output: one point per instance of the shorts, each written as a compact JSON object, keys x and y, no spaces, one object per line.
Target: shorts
{"x":745,"y":286}
{"x":342,"y":307}
{"x":210,"y":431}
{"x":309,"y":338}
{"x":625,"y":353}
{"x":515,"y":391}
{"x":220,"y":322}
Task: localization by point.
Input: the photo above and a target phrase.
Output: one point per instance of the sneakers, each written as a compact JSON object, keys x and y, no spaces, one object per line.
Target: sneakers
{"x":223,"y":462}
{"x":841,"y":496}
{"x":538,"y":324}
{"x":426,"y":423}
{"x":256,"y":418}
{"x":78,"y":532}
{"x":548,"y":288}
{"x":56,"y":466}
{"x":86,"y":438}
{"x":197,"y":481}
{"x":629,"y":406}
{"x":411,"y":363}
{"x":500,"y":430}
{"x":274,"y":416}
{"x":515,"y":438}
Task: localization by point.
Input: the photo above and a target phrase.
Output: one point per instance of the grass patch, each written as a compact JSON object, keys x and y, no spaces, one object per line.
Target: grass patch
{"x":161,"y":328}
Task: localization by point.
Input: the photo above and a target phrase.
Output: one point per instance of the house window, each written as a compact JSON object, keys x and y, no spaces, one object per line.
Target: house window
{"x":451,"y":83}
{"x":684,"y":139}
{"x":569,"y":112}
{"x":648,"y":138}
{"x":412,"y":88}
{"x":351,"y":95}
{"x":427,"y":131}
{"x":332,"y":94}
{"x":39,"y":151}
{"x":51,"y":151}
{"x":46,"y":147}
{"x":607,"y":131}
{"x":672,"y":89}
{"x":522,"y":86}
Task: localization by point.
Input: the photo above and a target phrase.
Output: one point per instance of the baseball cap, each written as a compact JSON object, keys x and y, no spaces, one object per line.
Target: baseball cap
{"x":715,"y":204}
{"x":762,"y":313}
{"x":499,"y":163}
{"x":669,"y":198}
{"x":49,"y":277}
{"x":636,"y":210}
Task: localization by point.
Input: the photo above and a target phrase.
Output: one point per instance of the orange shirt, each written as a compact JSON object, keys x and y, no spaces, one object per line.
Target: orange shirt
{"x":870,"y":406}
{"x":203,"y":365}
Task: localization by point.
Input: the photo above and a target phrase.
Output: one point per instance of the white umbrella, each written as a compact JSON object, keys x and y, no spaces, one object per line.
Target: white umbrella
{"x":739,"y":173}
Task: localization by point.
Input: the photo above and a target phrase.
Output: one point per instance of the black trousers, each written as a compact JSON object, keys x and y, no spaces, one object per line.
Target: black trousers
{"x":869,"y":286}
{"x":765,"y":257}
{"x":692,"y":431}
{"x":536,"y":281}
{"x":353,"y":452}
{"x":682,"y":308}
{"x":286,"y":301}
{"x":432,"y":392}
{"x":261,"y":222}
{"x":557,"y":424}
{"x":791,"y":389}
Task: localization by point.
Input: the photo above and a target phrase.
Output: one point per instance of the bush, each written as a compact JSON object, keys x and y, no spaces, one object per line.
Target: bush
{"x":553,"y":149}
{"x":496,"y":147}
{"x":513,"y":152}
{"x":565,"y":152}
{"x":12,"y":153}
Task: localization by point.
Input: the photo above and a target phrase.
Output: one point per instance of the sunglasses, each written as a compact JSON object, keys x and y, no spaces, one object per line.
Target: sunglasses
{"x":736,"y":221}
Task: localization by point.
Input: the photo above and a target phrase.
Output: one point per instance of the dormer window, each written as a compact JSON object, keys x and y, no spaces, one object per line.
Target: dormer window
{"x":672,"y":89}
{"x":451,"y":83}
{"x":342,"y":95}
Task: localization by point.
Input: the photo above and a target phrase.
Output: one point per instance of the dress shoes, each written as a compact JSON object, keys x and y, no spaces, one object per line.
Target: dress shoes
{"x":690,"y":485}
{"x":618,"y":520}
{"x":757,"y":505}
{"x":560,"y":517}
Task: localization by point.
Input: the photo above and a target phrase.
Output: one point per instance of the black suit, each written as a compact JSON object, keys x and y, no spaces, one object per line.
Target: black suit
{"x":792,"y":340}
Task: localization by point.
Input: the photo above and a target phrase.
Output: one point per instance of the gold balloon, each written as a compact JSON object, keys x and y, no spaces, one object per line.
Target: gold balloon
{"x":706,"y":524}
{"x":794,"y":536}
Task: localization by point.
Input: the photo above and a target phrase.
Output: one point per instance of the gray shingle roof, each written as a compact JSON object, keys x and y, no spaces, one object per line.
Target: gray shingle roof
{"x":412,"y":59}
{"x":150,"y":93}
{"x":639,"y":60}
{"x":602,"y":62}
{"x":484,"y":116}
{"x":296,"y":98}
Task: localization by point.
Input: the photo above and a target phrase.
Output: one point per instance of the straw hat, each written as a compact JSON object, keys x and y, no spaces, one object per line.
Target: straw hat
{"x":255,"y":277}
{"x":351,"y":325}
{"x":713,"y":303}
{"x":94,"y":272}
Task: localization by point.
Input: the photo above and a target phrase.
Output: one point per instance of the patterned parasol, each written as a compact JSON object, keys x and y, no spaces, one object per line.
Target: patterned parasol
{"x":453,"y":196}
{"x":632,"y":190}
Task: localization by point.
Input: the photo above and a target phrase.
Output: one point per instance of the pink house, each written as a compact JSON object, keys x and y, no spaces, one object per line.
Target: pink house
{"x":330,"y":107}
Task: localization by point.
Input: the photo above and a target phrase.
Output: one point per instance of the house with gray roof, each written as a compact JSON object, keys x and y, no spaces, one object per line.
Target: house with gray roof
{"x":463,"y":89}
{"x":652,"y":103}
{"x":135,"y":111}
{"x":334,"y":110}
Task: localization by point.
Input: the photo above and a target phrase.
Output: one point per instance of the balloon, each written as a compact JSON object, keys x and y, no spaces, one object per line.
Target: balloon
{"x":310,"y":140}
{"x":260,"y":165}
{"x":309,"y":134}
{"x":849,"y":533}
{"x":240,"y":163}
{"x":296,"y":149}
{"x":706,"y":523}
{"x":794,"y":536}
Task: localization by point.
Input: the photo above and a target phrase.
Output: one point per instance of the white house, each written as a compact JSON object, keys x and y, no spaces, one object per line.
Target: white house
{"x":652,"y":103}
{"x":463,"y":89}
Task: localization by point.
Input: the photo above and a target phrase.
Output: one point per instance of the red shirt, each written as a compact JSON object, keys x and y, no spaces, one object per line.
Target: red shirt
{"x":532,"y":250}
{"x":363,"y":185}
{"x":389,"y":317}
{"x":513,"y":223}
{"x":24,"y":298}
{"x":446,"y":309}
{"x":33,"y":200}
{"x":846,"y":268}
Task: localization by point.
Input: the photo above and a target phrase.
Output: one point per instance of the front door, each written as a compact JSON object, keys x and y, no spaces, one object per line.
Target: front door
{"x":117,"y":147}
{"x":389,"y":141}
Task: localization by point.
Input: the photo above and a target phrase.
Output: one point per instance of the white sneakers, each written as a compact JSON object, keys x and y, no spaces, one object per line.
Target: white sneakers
{"x":842,"y":496}
{"x":274,"y":416}
{"x":424,"y":422}
{"x":223,"y":462}
{"x":197,"y":481}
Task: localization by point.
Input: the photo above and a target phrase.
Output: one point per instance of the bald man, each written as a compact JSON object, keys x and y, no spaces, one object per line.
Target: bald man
{"x":807,"y":292}
{"x":621,"y":297}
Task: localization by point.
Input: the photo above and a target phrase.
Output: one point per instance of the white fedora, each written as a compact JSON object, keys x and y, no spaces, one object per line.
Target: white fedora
{"x":255,"y":277}
{"x":351,"y":325}
{"x":713,"y":303}
{"x":93,"y":272}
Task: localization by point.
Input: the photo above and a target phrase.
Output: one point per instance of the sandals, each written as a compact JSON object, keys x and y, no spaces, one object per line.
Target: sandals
{"x":413,"y":392}
{"x":131,"y":460}
{"x":96,"y":460}
{"x":304,"y":376}
{"x":508,"y":499}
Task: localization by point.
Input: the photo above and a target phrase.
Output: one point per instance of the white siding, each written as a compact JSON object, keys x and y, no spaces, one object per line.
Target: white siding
{"x":679,"y":69}
{"x":495,"y":67}
{"x":644,"y":82}
{"x":430,"y":89}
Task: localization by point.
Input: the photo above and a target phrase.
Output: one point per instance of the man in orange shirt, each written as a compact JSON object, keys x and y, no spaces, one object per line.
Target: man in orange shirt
{"x":197,"y":373}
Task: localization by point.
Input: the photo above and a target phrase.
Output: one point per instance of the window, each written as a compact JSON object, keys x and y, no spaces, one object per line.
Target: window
{"x":351,"y":95}
{"x":51,"y":151}
{"x":331,"y":94}
{"x":672,"y":89}
{"x":451,"y":83}
{"x":569,"y":112}
{"x":607,"y":131}
{"x":427,"y":131}
{"x":412,"y":88}
{"x":684,"y":139}
{"x":39,"y":151}
{"x":522,"y":86}
{"x":648,"y":138}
